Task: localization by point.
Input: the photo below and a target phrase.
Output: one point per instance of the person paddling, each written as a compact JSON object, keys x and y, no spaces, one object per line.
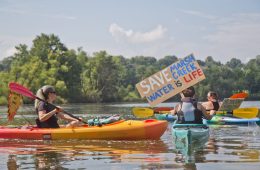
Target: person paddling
{"x":213,"y":104}
{"x":189,"y":111}
{"x":47,"y":114}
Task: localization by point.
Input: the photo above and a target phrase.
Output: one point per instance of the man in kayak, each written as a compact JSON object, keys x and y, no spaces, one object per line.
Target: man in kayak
{"x":47,"y":114}
{"x":213,"y":104}
{"x":189,"y":111}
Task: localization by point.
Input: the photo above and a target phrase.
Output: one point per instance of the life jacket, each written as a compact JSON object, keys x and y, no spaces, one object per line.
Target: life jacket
{"x":52,"y":122}
{"x":189,"y":113}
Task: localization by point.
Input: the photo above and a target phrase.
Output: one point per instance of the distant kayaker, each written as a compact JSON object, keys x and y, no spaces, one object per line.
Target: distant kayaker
{"x":47,"y":114}
{"x":213,"y":104}
{"x":189,"y":111}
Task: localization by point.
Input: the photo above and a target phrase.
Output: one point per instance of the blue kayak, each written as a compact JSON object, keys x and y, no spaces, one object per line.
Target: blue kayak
{"x":216,"y":120}
{"x":225,"y":120}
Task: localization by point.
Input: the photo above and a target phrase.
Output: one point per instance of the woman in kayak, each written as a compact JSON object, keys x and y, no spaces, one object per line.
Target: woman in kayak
{"x":189,"y":111}
{"x":213,"y":104}
{"x":47,"y":114}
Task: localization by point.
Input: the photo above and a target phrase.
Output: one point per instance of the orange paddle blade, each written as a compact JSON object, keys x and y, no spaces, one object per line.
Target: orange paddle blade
{"x":239,"y":95}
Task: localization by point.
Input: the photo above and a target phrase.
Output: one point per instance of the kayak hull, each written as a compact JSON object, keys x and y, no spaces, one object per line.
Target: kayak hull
{"x":122,"y":130}
{"x":190,"y":134}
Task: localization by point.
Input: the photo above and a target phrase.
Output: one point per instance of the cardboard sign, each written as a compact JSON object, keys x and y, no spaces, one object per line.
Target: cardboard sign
{"x":171,"y":80}
{"x":230,"y":104}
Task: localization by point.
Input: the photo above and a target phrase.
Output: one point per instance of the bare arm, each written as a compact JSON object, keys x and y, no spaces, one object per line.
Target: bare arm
{"x":204,"y":112}
{"x":43,"y":116}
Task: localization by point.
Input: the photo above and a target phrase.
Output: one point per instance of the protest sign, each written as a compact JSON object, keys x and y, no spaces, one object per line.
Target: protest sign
{"x":171,"y":80}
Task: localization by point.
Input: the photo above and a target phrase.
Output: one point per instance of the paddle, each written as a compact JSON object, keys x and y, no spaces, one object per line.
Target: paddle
{"x":26,"y":92}
{"x":247,"y":113}
{"x":141,"y":112}
{"x":239,"y":95}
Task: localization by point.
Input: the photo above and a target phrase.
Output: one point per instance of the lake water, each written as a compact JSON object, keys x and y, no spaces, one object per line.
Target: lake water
{"x":228,"y":147}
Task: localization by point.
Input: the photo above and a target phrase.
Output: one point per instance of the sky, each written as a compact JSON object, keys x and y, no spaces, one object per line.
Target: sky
{"x":223,"y":29}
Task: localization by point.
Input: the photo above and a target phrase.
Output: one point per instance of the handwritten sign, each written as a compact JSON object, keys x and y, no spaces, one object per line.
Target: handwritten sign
{"x":171,"y":80}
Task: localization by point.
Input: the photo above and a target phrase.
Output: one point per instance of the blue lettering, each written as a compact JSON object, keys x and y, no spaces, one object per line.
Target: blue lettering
{"x":193,"y":67}
{"x":184,"y":71}
{"x":159,"y":93}
{"x":179,"y":65}
{"x":189,"y":59}
{"x":174,"y":76}
{"x":151,"y":98}
{"x":165,"y":90}
{"x":170,"y":87}
{"x":188,"y":69}
{"x":173,"y":67}
{"x":179,"y":72}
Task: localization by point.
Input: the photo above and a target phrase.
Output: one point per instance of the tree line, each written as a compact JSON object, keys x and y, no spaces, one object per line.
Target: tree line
{"x":79,"y":77}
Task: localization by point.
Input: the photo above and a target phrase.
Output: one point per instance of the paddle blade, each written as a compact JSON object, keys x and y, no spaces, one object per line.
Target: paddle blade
{"x":15,"y":87}
{"x":239,"y":96}
{"x":247,"y":113}
{"x":142,"y":112}
{"x":14,"y":102}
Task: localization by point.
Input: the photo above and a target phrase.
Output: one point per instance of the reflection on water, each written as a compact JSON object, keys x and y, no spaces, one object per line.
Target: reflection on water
{"x":228,"y":147}
{"x":66,"y":154}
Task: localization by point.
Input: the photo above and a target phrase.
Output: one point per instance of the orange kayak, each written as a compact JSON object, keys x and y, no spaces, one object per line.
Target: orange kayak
{"x":121,"y":130}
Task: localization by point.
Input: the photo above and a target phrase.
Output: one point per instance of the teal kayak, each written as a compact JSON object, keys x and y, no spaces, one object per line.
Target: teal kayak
{"x":189,"y":137}
{"x":189,"y":134}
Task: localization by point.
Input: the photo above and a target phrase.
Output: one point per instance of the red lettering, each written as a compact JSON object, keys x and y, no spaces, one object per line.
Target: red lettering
{"x":200,"y":73}
{"x":194,"y":74}
{"x":189,"y":78}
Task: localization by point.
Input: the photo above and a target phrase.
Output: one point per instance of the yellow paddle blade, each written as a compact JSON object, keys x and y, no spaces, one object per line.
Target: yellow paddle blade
{"x":247,"y":113}
{"x":142,"y":112}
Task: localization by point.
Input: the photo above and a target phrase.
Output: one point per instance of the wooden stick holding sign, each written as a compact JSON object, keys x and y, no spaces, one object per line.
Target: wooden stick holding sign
{"x":171,"y":80}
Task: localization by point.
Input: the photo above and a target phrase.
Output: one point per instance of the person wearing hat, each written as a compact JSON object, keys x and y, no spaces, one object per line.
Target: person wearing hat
{"x":47,"y":114}
{"x":189,"y":111}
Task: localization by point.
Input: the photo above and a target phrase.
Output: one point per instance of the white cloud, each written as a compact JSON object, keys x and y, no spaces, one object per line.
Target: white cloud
{"x":120,"y":34}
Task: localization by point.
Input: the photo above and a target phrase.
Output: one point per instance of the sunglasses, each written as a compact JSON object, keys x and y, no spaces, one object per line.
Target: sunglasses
{"x":53,"y":92}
